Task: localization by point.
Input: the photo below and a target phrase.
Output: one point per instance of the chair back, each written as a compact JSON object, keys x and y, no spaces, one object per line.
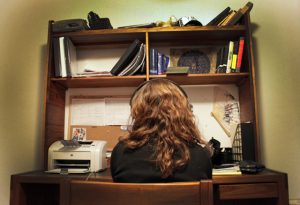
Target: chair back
{"x":110,"y":193}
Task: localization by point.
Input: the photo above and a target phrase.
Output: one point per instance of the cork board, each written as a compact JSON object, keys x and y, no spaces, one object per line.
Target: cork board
{"x":109,"y":133}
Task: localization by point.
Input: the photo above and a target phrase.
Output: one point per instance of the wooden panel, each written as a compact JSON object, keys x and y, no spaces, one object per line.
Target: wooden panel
{"x":248,"y":191}
{"x":157,"y":33}
{"x":37,"y":194}
{"x":96,"y":82}
{"x":269,"y":201}
{"x":92,"y":193}
{"x":276,"y":181}
{"x":103,"y":37}
{"x":133,"y":81}
{"x":203,"y":79}
{"x":196,"y":35}
{"x":246,"y":109}
{"x":55,"y":115}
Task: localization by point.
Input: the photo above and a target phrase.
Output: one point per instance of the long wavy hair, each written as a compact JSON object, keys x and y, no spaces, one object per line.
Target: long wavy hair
{"x":162,"y":114}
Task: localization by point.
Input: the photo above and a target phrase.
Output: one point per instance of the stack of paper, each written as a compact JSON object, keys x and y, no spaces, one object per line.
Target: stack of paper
{"x":234,"y":170}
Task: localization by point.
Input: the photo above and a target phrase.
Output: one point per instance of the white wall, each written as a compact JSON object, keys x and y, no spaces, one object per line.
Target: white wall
{"x":22,"y":56}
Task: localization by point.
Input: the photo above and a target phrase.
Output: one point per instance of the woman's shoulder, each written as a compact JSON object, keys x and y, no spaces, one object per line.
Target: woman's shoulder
{"x":120,"y":146}
{"x":199,"y":150}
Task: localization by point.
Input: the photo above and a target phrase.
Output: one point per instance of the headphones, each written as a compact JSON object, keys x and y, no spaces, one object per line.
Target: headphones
{"x":158,"y":79}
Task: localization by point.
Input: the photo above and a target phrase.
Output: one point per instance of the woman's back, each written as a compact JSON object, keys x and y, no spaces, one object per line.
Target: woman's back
{"x":138,"y":165}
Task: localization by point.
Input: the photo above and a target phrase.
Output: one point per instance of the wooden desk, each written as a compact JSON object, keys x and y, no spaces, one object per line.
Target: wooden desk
{"x":266,"y":188}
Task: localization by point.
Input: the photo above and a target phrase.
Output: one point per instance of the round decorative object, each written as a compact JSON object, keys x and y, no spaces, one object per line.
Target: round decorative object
{"x":198,"y":61}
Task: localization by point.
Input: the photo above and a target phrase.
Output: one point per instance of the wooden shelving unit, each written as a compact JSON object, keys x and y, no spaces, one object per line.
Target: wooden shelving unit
{"x":152,"y":37}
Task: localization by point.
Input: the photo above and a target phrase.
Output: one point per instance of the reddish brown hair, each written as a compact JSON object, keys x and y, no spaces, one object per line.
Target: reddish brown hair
{"x":161,"y":112}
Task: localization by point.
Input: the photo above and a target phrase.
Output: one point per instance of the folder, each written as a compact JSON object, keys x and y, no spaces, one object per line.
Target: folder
{"x":126,"y":58}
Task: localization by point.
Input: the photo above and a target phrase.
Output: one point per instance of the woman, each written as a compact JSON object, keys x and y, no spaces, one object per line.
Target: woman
{"x":163,"y":144}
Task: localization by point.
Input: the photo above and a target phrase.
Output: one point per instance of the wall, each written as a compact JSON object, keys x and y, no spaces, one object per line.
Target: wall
{"x":22,"y":55}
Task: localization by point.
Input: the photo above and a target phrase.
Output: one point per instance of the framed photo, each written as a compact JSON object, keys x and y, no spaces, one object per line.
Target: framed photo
{"x":198,"y":59}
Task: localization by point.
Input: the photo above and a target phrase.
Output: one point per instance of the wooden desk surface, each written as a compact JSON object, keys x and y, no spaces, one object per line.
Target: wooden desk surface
{"x":268,"y":187}
{"x":264,"y":176}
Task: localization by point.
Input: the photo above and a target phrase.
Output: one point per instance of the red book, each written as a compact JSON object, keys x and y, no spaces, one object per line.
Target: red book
{"x":240,"y":54}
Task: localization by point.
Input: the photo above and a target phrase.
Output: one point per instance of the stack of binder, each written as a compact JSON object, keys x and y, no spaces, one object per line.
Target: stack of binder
{"x":65,"y":57}
{"x":132,"y":61}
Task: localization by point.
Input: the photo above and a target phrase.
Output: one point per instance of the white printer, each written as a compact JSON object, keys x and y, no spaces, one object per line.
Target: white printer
{"x":85,"y":156}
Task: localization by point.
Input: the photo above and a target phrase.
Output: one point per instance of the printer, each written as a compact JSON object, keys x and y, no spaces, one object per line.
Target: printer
{"x":82,"y":157}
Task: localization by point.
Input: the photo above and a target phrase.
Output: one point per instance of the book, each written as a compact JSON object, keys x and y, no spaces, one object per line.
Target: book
{"x":57,"y":60}
{"x":126,"y":58}
{"x":160,"y":63}
{"x":71,"y":57}
{"x":219,"y":59}
{"x":166,"y":62}
{"x":227,"y":18}
{"x":240,"y":54}
{"x":215,"y":21}
{"x":178,"y":70}
{"x":229,"y":58}
{"x":239,"y":14}
{"x":234,"y":56}
{"x":153,"y":61}
{"x":63,"y":66}
{"x":223,"y":64}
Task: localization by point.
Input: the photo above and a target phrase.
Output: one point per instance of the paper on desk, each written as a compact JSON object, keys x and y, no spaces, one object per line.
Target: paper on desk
{"x":100,"y":112}
{"x":235,"y":170}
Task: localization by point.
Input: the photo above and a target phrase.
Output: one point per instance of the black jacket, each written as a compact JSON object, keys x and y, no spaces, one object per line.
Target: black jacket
{"x":136,"y":166}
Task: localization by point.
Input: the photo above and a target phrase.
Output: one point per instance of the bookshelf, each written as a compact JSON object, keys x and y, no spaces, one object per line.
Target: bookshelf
{"x":55,"y":89}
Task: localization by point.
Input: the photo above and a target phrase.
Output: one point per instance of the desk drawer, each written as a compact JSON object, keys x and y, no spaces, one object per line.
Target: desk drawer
{"x":248,"y":191}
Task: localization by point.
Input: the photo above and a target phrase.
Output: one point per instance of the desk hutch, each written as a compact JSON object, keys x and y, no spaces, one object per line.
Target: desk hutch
{"x":269,"y":187}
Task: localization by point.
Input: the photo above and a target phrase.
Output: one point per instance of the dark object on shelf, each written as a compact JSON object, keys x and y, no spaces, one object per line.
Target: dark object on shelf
{"x":220,"y":155}
{"x":145,"y":25}
{"x":69,"y":25}
{"x":226,"y":155}
{"x":126,"y":58}
{"x":239,"y":14}
{"x":95,"y":22}
{"x":197,"y":60}
{"x":248,"y":141}
{"x":251,"y":167}
{"x":215,"y":21}
{"x":216,"y":159}
{"x":189,"y":21}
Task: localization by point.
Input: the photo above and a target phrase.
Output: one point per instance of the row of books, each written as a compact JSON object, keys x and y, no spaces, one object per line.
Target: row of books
{"x":230,"y":17}
{"x":229,"y":57}
{"x":158,"y":62}
{"x":65,"y":57}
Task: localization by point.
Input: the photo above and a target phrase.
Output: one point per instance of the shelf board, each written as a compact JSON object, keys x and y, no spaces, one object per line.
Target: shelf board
{"x":123,"y":36}
{"x":204,"y":79}
{"x":103,"y":81}
{"x":134,"y":81}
